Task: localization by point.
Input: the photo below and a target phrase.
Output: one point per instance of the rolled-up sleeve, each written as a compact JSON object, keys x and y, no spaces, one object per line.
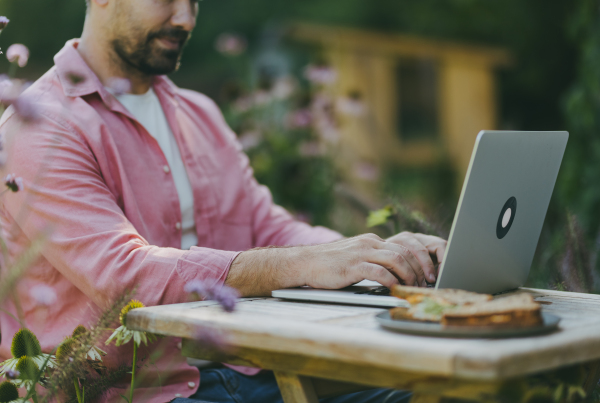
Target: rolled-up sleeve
{"x":89,"y":239}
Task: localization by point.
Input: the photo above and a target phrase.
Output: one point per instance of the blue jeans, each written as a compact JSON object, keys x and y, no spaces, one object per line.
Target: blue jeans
{"x":224,"y":385}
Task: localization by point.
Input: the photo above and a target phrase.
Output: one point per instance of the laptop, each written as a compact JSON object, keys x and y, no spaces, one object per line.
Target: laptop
{"x":497,"y":224}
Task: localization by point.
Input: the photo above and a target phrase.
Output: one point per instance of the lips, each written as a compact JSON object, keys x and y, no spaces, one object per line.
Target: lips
{"x":170,"y":43}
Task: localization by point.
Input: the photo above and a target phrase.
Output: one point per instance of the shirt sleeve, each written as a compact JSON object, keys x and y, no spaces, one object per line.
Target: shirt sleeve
{"x":89,"y":239}
{"x":271,"y":224}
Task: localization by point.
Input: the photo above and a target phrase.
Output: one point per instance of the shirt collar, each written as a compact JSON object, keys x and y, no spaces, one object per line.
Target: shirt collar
{"x":69,"y":64}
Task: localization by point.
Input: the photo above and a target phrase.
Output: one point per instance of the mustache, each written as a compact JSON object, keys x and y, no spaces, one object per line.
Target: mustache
{"x":180,"y":35}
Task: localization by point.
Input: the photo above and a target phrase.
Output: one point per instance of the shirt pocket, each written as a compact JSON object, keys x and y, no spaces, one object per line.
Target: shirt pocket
{"x":232,"y":183}
{"x":233,"y":230}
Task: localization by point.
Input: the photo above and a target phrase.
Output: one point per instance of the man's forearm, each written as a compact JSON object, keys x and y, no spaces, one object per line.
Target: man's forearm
{"x":257,"y":272}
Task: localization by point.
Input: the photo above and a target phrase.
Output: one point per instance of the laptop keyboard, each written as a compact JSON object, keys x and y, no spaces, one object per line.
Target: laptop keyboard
{"x":384,"y":290}
{"x":375,"y":291}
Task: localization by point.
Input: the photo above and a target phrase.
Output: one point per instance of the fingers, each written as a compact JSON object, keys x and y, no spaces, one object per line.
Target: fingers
{"x":400,"y":261}
{"x":375,"y":272}
{"x":423,"y":257}
{"x":435,"y":246}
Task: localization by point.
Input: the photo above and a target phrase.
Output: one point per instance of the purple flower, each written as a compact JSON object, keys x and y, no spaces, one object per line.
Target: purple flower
{"x":43,"y":294}
{"x":230,"y":44}
{"x":224,"y":295}
{"x":9,"y":89}
{"x":211,"y":338}
{"x":13,"y":182}
{"x":3,"y":22}
{"x":119,"y":86}
{"x":321,"y":75}
{"x":18,"y":53}
{"x":26,"y":109}
{"x":12,"y":374}
{"x":366,"y":171}
{"x":299,"y":119}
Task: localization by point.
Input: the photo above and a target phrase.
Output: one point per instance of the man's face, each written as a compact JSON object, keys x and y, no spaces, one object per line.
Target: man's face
{"x":149,"y":35}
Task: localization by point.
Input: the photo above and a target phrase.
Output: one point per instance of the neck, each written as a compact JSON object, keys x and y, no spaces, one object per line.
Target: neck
{"x":107,"y":64}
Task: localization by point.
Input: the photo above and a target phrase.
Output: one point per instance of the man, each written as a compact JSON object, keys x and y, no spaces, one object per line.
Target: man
{"x":149,"y":190}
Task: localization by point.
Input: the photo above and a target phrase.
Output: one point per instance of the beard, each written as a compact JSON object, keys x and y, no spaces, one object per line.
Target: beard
{"x":146,"y":55}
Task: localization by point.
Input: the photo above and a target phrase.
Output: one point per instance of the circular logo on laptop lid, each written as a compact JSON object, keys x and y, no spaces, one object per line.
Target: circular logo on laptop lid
{"x":506,"y":218}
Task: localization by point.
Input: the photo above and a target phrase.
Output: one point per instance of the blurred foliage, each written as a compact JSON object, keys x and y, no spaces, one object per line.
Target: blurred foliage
{"x":277,"y":125}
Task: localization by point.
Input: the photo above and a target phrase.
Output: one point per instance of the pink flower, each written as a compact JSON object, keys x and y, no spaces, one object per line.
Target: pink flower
{"x":3,"y":22}
{"x":299,"y":119}
{"x":351,"y":106}
{"x":366,"y":171}
{"x":9,"y":90}
{"x":43,"y":294}
{"x":249,"y":140}
{"x":310,"y":149}
{"x":119,"y":86}
{"x":243,"y":104}
{"x":283,"y":87}
{"x":224,"y":295}
{"x":13,"y":183}
{"x":230,"y":44}
{"x":322,"y":75}
{"x":18,"y":53}
{"x":261,"y":98}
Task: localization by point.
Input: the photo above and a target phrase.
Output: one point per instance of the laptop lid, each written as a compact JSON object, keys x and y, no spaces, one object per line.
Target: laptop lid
{"x":501,"y":210}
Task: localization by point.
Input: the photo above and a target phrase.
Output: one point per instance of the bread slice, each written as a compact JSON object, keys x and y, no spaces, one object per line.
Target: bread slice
{"x":427,"y":309}
{"x":513,"y":311}
{"x":451,"y":296}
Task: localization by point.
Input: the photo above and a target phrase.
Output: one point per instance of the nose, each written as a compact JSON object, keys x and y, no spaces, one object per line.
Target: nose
{"x":184,"y":14}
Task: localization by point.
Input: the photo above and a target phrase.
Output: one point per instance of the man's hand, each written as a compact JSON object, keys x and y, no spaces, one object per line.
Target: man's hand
{"x":404,"y":258}
{"x":427,"y":249}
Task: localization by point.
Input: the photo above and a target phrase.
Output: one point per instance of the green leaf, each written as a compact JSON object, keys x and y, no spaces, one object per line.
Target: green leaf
{"x":379,"y":217}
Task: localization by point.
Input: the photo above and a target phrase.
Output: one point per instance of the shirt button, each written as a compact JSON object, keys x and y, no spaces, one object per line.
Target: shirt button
{"x":179,"y":345}
{"x":166,"y":169}
{"x":178,"y":225}
{"x":178,"y":394}
{"x":191,"y":385}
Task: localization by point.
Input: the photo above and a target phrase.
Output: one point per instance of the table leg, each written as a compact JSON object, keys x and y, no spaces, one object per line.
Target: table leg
{"x":295,"y":388}
{"x":418,"y":398}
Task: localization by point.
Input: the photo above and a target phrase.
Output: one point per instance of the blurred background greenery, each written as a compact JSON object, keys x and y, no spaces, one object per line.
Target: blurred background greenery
{"x":303,"y":120}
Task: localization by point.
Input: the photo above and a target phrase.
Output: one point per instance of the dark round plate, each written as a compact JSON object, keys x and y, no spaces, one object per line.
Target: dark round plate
{"x":436,"y":329}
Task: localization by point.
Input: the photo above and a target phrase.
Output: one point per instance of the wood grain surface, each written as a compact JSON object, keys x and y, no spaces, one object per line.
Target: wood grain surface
{"x":349,"y":335}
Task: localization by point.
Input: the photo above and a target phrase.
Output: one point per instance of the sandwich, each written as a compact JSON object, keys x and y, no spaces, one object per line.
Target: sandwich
{"x":463,"y":308}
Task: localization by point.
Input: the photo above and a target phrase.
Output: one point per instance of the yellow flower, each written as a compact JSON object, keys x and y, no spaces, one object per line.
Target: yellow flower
{"x":123,"y":335}
{"x":133,"y":304}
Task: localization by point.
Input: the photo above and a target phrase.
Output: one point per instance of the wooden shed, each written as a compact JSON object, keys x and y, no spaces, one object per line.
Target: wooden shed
{"x":426,"y":100}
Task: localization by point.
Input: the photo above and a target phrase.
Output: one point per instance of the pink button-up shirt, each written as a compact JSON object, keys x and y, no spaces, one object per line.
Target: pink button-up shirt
{"x":95,"y":180}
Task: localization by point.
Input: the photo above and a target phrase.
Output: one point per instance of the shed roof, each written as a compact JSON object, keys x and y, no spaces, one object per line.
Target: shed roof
{"x":404,"y":45}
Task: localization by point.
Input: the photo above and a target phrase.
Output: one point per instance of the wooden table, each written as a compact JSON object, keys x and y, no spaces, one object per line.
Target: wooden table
{"x":307,"y":343}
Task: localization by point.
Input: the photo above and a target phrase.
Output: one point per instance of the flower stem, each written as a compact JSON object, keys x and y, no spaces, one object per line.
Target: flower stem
{"x":34,"y":396}
{"x":12,"y":69}
{"x":133,"y":372}
{"x":76,"y":383}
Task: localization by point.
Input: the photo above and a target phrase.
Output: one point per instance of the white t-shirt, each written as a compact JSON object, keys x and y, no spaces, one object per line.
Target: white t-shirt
{"x":147,"y":110}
